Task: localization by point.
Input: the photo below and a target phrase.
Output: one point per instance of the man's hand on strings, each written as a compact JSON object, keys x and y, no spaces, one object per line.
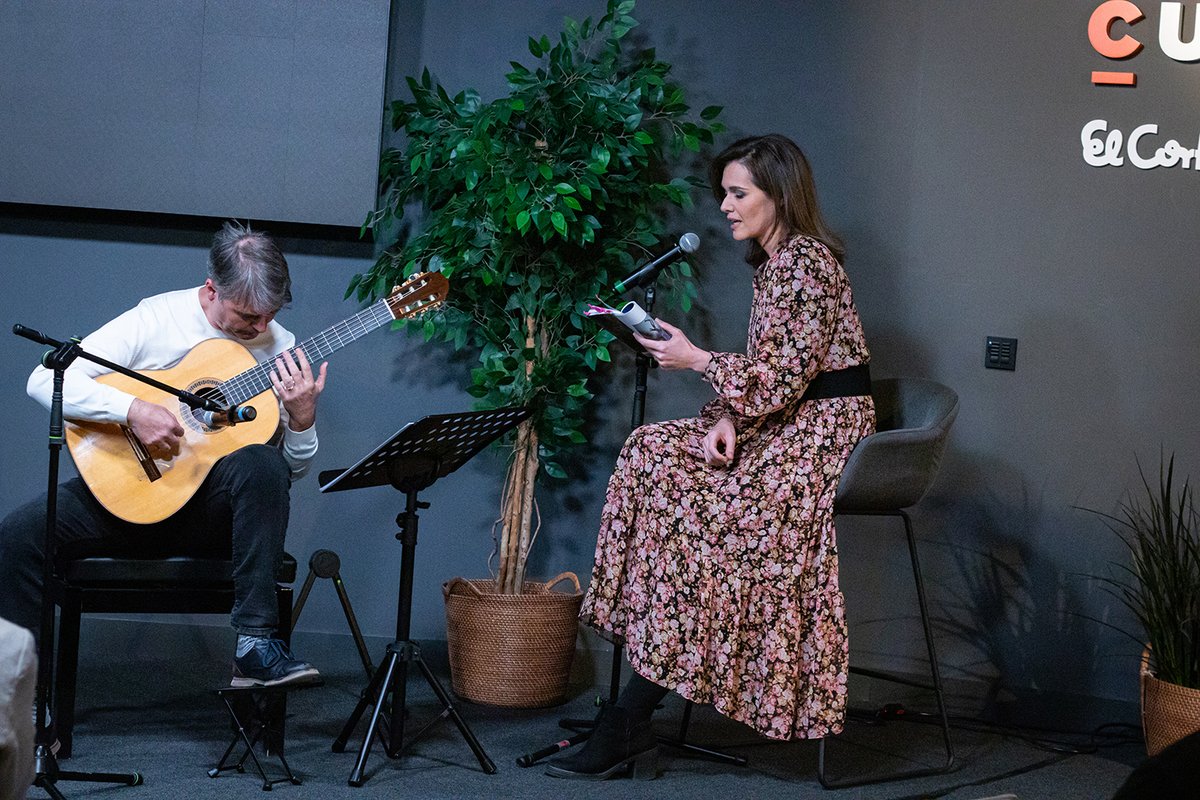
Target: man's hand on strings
{"x":297,"y":388}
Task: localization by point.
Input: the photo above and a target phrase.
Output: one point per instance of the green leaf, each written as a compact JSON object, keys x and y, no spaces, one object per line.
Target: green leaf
{"x":554,"y":470}
{"x":533,"y":202}
{"x":600,"y":159}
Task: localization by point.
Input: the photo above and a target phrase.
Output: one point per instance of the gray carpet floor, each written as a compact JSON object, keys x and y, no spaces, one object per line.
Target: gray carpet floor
{"x":164,"y":719}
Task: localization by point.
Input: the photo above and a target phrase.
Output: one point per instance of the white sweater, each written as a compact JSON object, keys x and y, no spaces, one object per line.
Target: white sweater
{"x":157,"y":334}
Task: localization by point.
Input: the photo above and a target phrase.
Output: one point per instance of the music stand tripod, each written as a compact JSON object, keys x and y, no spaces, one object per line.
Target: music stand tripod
{"x":411,"y":460}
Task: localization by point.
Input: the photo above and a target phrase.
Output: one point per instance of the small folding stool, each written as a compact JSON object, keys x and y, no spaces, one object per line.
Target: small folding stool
{"x":253,"y":711}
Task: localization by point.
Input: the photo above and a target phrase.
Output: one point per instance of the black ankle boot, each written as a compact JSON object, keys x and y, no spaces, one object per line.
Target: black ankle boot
{"x":619,"y":742}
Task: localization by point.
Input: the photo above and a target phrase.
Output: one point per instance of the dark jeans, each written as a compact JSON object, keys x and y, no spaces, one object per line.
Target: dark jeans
{"x":241,"y":510}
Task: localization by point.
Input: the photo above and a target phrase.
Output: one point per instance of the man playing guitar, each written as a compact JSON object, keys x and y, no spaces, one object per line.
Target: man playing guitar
{"x":240,"y":504}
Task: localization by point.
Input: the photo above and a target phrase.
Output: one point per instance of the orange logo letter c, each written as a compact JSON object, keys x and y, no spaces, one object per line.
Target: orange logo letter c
{"x":1100,"y":28}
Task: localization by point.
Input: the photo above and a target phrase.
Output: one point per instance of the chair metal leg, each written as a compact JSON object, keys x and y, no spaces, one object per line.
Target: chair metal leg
{"x":691,"y":748}
{"x":935,"y":686}
{"x":66,"y":672}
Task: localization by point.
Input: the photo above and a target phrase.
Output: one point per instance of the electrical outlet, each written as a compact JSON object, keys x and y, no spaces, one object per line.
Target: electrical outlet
{"x":1000,"y":353}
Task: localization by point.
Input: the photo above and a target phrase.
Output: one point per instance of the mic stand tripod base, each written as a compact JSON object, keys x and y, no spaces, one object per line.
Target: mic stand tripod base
{"x":47,"y":774}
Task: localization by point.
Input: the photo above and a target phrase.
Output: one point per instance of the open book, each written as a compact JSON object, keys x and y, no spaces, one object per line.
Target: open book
{"x":631,"y":317}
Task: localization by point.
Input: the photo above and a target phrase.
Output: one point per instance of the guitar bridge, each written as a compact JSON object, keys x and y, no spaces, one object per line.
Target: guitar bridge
{"x":142,"y":454}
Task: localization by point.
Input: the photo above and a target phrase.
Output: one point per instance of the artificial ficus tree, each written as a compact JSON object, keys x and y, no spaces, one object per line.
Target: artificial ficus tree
{"x":533,"y":204}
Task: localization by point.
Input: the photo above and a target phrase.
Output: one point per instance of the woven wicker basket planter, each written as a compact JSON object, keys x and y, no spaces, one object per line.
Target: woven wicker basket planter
{"x":511,"y":650}
{"x":1169,"y":711}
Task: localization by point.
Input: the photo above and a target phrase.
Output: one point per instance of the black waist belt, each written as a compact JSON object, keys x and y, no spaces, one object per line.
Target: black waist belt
{"x":849,"y":382}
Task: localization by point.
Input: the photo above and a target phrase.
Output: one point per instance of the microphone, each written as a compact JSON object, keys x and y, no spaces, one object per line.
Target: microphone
{"x":688,"y":243}
{"x":224,"y":419}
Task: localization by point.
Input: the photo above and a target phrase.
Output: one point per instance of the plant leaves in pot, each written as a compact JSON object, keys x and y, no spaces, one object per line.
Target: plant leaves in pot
{"x":533,"y":205}
{"x":1160,"y":585}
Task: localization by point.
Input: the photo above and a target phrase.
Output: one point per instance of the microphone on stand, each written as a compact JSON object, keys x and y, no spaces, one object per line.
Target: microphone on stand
{"x":688,"y":243}
{"x":228,"y":417}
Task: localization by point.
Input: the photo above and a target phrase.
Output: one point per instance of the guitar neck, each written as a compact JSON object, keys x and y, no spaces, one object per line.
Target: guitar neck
{"x":257,"y":379}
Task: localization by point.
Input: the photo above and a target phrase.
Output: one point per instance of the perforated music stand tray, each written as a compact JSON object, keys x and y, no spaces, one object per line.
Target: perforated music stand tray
{"x":412,"y":459}
{"x":425,"y":450}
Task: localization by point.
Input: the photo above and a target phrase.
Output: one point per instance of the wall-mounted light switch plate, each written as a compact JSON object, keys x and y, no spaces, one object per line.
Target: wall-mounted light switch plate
{"x":1000,"y":353}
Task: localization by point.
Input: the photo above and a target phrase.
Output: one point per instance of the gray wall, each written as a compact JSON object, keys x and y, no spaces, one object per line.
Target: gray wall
{"x":209,"y":107}
{"x":945,"y":137}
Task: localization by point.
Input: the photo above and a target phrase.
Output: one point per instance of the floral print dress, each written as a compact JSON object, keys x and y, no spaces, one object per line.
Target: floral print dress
{"x":724,"y":582}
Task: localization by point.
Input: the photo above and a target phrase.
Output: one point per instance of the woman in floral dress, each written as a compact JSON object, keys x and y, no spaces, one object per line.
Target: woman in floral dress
{"x":716,"y":559}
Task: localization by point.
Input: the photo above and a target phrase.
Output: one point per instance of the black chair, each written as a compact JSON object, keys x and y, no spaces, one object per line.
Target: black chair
{"x":887,"y":473}
{"x":170,"y":585}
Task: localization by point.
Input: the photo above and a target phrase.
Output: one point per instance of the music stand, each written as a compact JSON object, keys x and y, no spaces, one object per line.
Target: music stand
{"x":411,"y":460}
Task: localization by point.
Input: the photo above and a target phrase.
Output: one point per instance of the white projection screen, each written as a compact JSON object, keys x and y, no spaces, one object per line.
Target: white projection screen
{"x":257,"y":109}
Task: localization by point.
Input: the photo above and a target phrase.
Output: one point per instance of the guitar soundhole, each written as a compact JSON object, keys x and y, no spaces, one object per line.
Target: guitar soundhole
{"x":196,"y":418}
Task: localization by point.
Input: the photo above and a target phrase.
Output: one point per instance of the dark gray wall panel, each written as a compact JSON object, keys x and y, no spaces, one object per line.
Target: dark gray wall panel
{"x":264,"y":110}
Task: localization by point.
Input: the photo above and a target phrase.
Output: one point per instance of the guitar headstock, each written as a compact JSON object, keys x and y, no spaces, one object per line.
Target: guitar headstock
{"x":421,"y":292}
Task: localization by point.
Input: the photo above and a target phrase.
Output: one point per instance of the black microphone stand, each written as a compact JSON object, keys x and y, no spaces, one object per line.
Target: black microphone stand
{"x":641,"y":374}
{"x":583,"y":727}
{"x":46,"y":771}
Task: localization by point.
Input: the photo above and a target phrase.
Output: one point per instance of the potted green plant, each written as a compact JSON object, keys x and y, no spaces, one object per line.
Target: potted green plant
{"x":534,"y":204}
{"x":1161,"y":587}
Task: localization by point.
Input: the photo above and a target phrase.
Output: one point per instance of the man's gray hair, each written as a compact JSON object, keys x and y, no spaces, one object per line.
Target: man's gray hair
{"x":248,"y":269}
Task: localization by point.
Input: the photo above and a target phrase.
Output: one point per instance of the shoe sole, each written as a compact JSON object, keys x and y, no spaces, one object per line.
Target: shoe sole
{"x":310,"y":675}
{"x":641,"y":767}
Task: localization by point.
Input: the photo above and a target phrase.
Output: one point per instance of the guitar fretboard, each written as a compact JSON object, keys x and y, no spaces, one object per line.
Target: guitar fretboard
{"x":257,"y":379}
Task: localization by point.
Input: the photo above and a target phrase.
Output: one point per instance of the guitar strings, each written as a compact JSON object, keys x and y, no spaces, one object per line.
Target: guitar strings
{"x":256,"y":380}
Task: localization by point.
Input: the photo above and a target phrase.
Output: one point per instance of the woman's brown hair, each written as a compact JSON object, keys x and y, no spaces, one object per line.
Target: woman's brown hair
{"x":778,"y":167}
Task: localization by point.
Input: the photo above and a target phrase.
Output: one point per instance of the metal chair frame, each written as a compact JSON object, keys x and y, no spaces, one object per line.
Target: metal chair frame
{"x":935,"y":674}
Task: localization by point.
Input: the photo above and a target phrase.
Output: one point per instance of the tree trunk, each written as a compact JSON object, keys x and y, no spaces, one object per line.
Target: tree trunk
{"x":516,"y":531}
{"x":517,"y":525}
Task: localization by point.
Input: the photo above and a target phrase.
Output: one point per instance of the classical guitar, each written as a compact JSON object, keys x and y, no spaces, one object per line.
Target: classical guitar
{"x":136,"y":487}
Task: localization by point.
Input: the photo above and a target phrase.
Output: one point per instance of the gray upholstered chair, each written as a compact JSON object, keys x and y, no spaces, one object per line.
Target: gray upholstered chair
{"x":887,"y":473}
